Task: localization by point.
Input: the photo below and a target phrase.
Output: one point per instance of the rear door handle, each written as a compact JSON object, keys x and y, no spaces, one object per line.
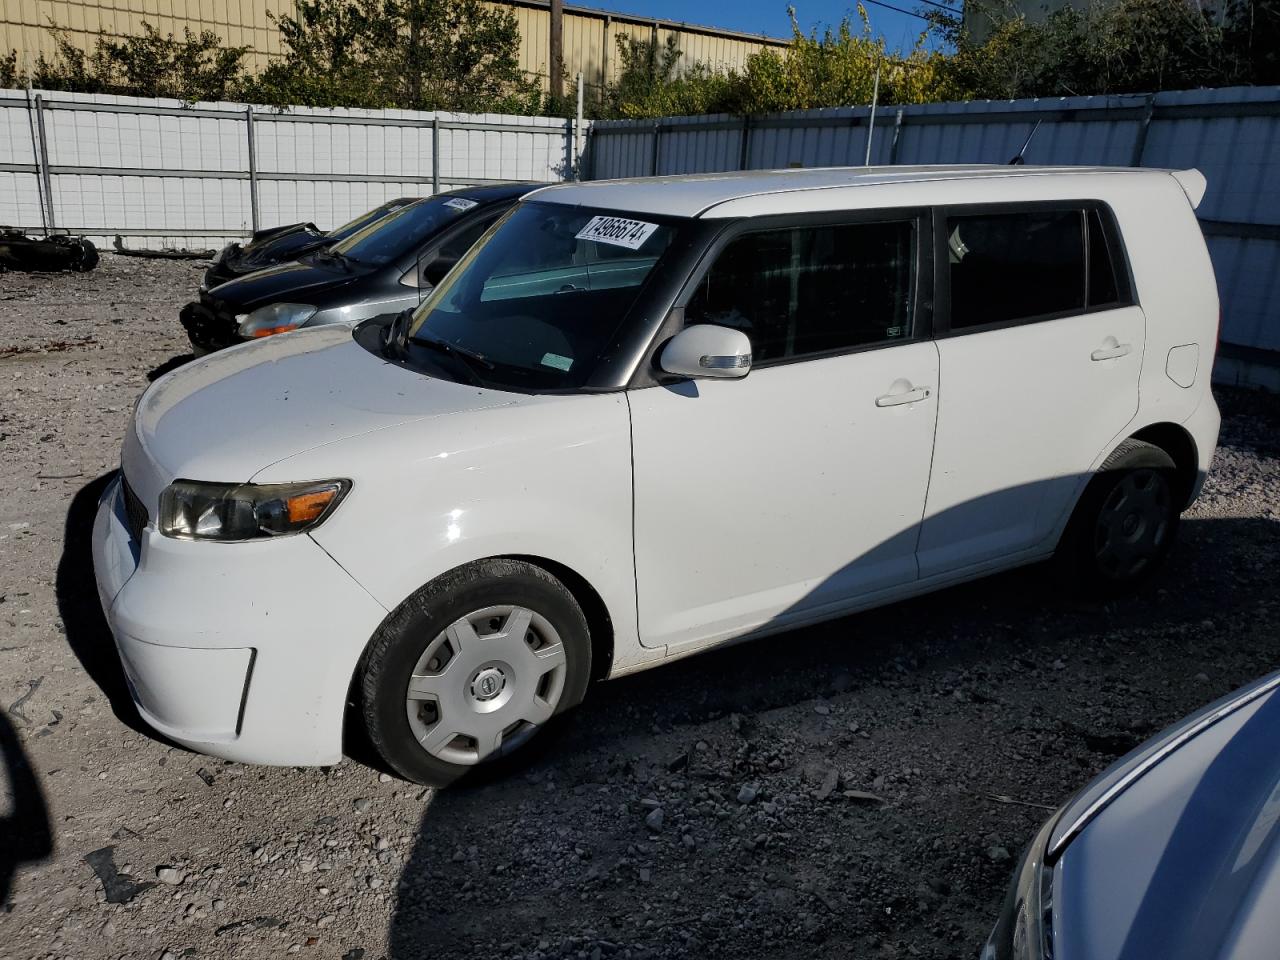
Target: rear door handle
{"x":1110,"y":352}
{"x":908,"y":396}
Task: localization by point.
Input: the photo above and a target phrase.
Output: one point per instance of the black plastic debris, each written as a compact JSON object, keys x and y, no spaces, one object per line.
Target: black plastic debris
{"x":119,"y":887}
{"x":181,"y":253}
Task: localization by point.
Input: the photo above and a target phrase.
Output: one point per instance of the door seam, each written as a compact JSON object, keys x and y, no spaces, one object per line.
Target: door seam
{"x":933,"y":452}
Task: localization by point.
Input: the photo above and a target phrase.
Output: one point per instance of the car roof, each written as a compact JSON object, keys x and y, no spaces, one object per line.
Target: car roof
{"x":694,"y":194}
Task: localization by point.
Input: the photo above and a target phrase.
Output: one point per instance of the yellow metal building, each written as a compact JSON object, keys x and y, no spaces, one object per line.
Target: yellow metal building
{"x":589,"y":35}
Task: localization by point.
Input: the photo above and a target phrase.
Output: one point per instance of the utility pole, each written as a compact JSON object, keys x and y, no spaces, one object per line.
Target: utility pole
{"x":556,"y":87}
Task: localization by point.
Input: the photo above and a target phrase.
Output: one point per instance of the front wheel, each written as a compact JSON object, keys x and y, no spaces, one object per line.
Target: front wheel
{"x":471,"y":668}
{"x":1126,"y":521}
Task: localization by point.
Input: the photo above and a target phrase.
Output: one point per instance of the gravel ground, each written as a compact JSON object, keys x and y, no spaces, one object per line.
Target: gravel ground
{"x":857,"y":789}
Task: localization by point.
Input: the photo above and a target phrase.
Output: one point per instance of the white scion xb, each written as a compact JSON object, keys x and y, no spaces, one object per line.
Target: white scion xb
{"x":640,"y":419}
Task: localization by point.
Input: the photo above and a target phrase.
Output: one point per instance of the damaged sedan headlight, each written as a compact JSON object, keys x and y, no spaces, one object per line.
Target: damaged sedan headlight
{"x":246,"y":511}
{"x":274,"y":318}
{"x":1024,"y":930}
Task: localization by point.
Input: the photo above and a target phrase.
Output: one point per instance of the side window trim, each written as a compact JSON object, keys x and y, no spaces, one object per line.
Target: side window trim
{"x":941,"y":261}
{"x":1117,"y":253}
{"x":921,"y":281}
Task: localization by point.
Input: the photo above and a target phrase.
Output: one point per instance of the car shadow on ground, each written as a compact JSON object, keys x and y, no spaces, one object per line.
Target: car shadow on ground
{"x":26,"y":836}
{"x":76,"y":592}
{"x":483,"y":878}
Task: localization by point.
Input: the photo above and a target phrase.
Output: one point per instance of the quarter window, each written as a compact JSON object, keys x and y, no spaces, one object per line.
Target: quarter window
{"x":811,"y":290}
{"x":1104,"y":287}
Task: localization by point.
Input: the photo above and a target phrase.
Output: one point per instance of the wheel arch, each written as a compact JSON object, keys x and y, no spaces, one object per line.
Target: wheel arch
{"x":599,"y":622}
{"x":1174,"y":440}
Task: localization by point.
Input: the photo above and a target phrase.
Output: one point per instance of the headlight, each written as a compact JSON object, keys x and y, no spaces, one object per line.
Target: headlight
{"x":1025,"y":928}
{"x":274,"y":318}
{"x":247,"y":511}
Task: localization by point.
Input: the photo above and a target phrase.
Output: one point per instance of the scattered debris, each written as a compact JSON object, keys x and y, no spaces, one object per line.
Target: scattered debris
{"x":180,"y":253}
{"x":118,"y":887}
{"x":257,"y":923}
{"x":1001,"y":798}
{"x":15,"y":707}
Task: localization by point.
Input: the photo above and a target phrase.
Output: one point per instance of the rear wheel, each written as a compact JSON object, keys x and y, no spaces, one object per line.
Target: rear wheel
{"x":471,"y":668}
{"x":1126,"y":521}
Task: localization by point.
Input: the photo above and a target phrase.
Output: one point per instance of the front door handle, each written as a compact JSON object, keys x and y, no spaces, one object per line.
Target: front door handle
{"x":907,"y":396}
{"x":1110,"y":351}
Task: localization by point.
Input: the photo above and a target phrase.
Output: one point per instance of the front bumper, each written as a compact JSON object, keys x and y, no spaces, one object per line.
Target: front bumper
{"x":242,"y":651}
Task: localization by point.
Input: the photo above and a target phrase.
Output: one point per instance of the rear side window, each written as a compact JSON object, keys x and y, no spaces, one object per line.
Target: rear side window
{"x":1009,"y":267}
{"x":811,"y":290}
{"x":1015,"y":266}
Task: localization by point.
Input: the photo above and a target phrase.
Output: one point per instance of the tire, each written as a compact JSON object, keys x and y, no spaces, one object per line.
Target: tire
{"x":1126,"y":522}
{"x":479,"y":696}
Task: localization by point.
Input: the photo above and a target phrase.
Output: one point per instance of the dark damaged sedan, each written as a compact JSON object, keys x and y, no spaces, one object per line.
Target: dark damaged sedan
{"x":281,"y":244}
{"x":385,"y":267}
{"x":1173,"y":853}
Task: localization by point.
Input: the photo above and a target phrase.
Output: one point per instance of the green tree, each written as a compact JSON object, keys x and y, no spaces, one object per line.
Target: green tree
{"x":838,"y":68}
{"x":150,"y":65}
{"x":1123,"y":46}
{"x":650,"y":83}
{"x":411,"y":54}
{"x":9,"y":76}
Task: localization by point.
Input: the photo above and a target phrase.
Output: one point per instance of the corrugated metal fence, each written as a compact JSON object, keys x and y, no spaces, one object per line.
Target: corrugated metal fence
{"x":164,"y":173}
{"x":1232,"y":135}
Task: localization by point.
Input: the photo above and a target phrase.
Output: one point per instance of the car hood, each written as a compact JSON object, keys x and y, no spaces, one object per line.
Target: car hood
{"x":1185,"y":861}
{"x":294,"y":282}
{"x":225,"y":417}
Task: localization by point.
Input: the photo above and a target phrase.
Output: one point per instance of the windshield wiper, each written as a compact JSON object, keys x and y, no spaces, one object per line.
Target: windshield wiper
{"x":470,"y":359}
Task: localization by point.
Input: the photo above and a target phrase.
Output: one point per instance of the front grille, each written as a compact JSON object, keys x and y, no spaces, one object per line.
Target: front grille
{"x":135,"y":513}
{"x":210,"y":323}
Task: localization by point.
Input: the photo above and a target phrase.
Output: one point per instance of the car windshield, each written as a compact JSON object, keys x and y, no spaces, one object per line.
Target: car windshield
{"x":541,"y":296}
{"x":377,"y":213}
{"x":402,"y":231}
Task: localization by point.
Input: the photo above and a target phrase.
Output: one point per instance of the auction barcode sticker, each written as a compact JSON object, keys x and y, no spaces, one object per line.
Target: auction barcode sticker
{"x":460,"y":203}
{"x":617,"y":231}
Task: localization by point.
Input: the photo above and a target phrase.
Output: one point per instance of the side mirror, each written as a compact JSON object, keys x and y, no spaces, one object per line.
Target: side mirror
{"x":706,"y":350}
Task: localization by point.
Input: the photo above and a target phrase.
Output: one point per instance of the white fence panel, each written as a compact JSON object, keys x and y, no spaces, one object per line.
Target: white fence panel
{"x":162,"y":173}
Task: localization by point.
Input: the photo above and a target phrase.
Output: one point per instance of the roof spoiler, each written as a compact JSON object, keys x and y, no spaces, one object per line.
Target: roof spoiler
{"x":1193,"y":184}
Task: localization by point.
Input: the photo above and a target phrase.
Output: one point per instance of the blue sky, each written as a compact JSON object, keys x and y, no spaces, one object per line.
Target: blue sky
{"x":770,"y":16}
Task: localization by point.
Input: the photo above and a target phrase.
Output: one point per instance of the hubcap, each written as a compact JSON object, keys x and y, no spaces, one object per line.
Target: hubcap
{"x":1133,"y":524}
{"x":485,"y":683}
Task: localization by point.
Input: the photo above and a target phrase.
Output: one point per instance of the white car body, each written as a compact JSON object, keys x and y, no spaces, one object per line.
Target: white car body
{"x":693,"y":515}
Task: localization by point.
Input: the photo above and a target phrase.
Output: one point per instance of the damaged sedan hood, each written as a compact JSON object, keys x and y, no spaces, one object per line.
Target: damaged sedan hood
{"x":225,"y":417}
{"x":291,"y":282}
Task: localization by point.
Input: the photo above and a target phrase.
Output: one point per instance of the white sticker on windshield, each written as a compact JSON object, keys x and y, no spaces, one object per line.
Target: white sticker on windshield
{"x":461,"y":203}
{"x":615,"y":230}
{"x":557,"y":361}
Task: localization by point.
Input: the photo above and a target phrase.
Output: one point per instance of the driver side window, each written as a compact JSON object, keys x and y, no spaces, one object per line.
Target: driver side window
{"x":804,"y":291}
